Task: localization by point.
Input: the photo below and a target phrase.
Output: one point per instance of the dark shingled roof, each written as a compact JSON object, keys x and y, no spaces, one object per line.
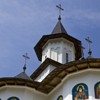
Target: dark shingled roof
{"x":23,"y":75}
{"x":12,"y":81}
{"x":56,"y":76}
{"x":59,"y":28}
{"x":43,"y":66}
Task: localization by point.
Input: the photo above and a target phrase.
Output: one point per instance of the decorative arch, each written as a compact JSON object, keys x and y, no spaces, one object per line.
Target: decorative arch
{"x":97,"y":90}
{"x":13,"y":98}
{"x":60,"y":97}
{"x":80,"y":92}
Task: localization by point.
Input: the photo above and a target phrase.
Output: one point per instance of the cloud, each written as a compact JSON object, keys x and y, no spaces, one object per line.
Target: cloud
{"x":79,"y":14}
{"x":23,"y":22}
{"x":16,"y":10}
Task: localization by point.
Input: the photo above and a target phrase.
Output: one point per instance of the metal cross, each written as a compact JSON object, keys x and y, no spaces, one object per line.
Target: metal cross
{"x":89,"y":42}
{"x":26,"y":58}
{"x":60,"y":9}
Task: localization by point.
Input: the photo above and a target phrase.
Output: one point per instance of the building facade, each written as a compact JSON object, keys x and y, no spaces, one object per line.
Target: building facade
{"x":63,"y":74}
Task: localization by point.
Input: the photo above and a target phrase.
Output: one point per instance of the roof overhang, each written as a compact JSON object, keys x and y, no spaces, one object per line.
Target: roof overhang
{"x":55,"y":77}
{"x":43,"y":66}
{"x":18,"y":82}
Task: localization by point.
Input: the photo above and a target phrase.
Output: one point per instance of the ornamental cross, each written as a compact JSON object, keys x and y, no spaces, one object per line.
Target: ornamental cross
{"x":26,"y":58}
{"x":89,"y":42}
{"x":60,"y":9}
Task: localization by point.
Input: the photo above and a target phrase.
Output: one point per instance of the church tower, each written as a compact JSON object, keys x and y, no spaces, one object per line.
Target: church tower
{"x":56,"y":49}
{"x":58,"y":46}
{"x":62,"y":75}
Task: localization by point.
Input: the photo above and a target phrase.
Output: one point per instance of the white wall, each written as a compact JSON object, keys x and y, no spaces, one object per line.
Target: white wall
{"x":47,"y":71}
{"x":23,"y":93}
{"x":90,"y":78}
{"x":56,"y":49}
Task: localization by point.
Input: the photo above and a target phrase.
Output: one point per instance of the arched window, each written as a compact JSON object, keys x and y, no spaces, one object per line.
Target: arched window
{"x":60,"y":97}
{"x":80,"y":92}
{"x":13,"y":98}
{"x":97,"y":90}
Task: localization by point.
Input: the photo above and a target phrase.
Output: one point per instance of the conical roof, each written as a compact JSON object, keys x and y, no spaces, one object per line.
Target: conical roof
{"x":23,"y":75}
{"x":59,"y":28}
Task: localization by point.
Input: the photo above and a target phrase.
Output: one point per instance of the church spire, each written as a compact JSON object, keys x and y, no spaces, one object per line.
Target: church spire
{"x":23,"y":74}
{"x":44,"y":47}
{"x":26,"y":58}
{"x":89,"y":48}
{"x":60,"y":9}
{"x":59,"y":28}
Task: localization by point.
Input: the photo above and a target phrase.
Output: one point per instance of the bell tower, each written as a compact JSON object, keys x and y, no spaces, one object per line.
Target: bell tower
{"x":59,"y":45}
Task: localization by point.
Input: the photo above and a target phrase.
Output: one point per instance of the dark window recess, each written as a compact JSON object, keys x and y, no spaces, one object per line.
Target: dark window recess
{"x":66,"y":57}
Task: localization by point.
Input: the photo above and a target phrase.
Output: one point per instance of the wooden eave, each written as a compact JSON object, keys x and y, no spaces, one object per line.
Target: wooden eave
{"x":18,"y":82}
{"x":43,"y":66}
{"x":45,"y":38}
{"x":55,"y":77}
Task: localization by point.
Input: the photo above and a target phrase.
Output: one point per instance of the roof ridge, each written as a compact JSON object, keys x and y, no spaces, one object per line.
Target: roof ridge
{"x":59,"y":28}
{"x":23,"y":75}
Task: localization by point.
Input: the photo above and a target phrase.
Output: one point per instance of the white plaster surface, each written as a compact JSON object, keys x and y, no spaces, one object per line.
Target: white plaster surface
{"x":47,"y":71}
{"x":56,"y":49}
{"x":23,"y":93}
{"x":90,"y":78}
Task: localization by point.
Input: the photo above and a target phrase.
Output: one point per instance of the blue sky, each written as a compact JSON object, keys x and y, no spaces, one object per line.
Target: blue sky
{"x":23,"y":22}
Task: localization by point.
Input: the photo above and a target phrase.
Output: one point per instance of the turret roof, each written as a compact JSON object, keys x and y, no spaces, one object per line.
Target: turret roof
{"x":59,"y":28}
{"x":23,"y":75}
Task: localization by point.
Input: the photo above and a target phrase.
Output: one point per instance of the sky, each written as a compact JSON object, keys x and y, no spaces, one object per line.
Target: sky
{"x":24,"y":22}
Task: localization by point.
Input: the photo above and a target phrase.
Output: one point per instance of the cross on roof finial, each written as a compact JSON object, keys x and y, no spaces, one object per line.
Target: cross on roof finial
{"x":26,"y":58}
{"x":60,"y":9}
{"x":89,"y":42}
